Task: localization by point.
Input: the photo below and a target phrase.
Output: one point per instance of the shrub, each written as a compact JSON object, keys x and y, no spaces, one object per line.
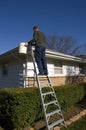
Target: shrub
{"x":21,"y":107}
{"x":70,"y":94}
{"x":18,"y":107}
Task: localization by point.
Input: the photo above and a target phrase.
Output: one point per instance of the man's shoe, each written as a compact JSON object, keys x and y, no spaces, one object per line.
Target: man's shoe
{"x":45,"y":73}
{"x":40,"y":74}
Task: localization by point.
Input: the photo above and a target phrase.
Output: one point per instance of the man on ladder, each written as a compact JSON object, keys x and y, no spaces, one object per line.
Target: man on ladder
{"x":40,"y":48}
{"x":40,"y":43}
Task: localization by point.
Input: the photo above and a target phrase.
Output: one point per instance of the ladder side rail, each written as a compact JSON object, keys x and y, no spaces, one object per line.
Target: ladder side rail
{"x":34,"y":64}
{"x":57,"y":100}
{"x":25,"y":75}
{"x":26,"y":82}
{"x":53,"y":90}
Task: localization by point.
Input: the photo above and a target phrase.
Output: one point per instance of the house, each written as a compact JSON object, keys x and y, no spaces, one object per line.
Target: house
{"x":62,"y":68}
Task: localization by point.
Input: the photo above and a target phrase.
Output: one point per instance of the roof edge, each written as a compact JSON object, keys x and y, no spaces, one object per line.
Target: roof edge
{"x":49,"y":53}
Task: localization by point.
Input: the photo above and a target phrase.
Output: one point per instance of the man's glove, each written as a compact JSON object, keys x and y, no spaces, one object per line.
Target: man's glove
{"x":29,"y":42}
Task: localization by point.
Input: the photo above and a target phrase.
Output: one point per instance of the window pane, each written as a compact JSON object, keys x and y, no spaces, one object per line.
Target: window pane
{"x":4,"y":69}
{"x":57,"y":67}
{"x":57,"y":70}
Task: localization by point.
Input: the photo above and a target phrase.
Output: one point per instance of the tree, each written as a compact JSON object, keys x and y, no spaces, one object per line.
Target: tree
{"x":63,"y":44}
{"x":84,"y":49}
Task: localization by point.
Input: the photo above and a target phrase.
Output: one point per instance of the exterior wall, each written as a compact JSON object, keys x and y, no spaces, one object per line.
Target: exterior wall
{"x":56,"y":68}
{"x":60,"y":72}
{"x":62,"y":80}
{"x":71,"y":69}
{"x":59,"y":80}
{"x":70,"y":73}
{"x":12,"y":78}
{"x":30,"y":69}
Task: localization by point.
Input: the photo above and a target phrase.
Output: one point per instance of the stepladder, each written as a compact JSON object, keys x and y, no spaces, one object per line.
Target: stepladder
{"x":29,"y":81}
{"x":51,"y":108}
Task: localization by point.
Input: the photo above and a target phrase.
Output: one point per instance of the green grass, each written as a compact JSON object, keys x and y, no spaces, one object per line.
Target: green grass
{"x":79,"y":125}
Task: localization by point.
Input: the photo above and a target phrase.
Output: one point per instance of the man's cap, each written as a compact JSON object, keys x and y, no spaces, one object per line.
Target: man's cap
{"x":35,"y":27}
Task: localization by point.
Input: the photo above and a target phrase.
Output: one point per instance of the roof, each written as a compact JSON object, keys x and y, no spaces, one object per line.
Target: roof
{"x":10,"y":55}
{"x":58,"y":55}
{"x":82,"y":56}
{"x":14,"y":53}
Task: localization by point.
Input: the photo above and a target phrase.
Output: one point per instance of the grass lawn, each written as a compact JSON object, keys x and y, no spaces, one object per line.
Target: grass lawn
{"x":79,"y":125}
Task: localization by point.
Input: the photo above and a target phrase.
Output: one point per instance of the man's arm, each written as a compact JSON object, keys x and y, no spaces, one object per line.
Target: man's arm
{"x":31,"y":41}
{"x":34,"y":39}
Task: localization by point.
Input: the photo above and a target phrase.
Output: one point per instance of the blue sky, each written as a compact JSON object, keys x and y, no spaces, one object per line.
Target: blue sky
{"x":17,"y":18}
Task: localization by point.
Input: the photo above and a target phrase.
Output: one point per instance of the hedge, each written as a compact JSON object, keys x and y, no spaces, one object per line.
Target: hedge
{"x":20,"y":107}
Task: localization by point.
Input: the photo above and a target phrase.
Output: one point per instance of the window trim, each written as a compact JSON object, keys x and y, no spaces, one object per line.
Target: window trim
{"x":4,"y":69}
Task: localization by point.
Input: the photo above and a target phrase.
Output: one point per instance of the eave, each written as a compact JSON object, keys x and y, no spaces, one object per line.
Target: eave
{"x":49,"y":53}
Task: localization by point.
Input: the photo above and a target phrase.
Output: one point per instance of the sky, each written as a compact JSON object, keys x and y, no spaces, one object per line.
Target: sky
{"x":61,"y":17}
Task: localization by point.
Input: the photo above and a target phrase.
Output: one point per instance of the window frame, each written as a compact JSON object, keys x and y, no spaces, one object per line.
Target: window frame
{"x":4,"y":69}
{"x":58,"y":66}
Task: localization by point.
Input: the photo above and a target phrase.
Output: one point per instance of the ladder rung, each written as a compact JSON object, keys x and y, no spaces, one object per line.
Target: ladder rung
{"x":52,"y":113}
{"x":30,"y":69}
{"x":32,"y":80}
{"x":48,"y":93}
{"x":56,"y":123}
{"x":43,"y":76}
{"x":31,"y":84}
{"x":43,"y":85}
{"x":49,"y":103}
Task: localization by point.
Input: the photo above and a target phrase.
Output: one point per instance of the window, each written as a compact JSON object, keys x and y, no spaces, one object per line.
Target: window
{"x":4,"y":69}
{"x":82,"y":69}
{"x":58,"y":68}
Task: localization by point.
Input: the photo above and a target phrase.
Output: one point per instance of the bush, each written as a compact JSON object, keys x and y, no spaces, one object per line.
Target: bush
{"x":70,"y":94}
{"x":19,"y":108}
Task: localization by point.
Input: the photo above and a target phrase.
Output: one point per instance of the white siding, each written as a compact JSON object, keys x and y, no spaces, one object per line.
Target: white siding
{"x":50,"y":69}
{"x":15,"y":69}
{"x":12,"y":78}
{"x":30,"y":69}
{"x":71,"y":70}
{"x":62,"y":70}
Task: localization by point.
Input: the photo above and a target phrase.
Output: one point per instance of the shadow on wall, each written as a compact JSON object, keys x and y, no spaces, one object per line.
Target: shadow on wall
{"x":74,"y":79}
